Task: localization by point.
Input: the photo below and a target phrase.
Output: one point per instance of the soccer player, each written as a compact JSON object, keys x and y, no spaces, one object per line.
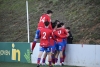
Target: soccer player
{"x":65,"y":43}
{"x":43,"y":18}
{"x":60,"y":34}
{"x":52,"y":45}
{"x":45,"y":34}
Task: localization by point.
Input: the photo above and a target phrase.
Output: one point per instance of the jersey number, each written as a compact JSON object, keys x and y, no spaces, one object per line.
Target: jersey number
{"x":42,"y":19}
{"x":59,"y":32}
{"x":44,"y":35}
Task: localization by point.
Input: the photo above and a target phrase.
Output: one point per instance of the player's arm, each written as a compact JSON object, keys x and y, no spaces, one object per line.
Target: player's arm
{"x":49,"y":20}
{"x":50,"y":27}
{"x":60,"y":36}
{"x":66,"y":32}
{"x":53,"y":36}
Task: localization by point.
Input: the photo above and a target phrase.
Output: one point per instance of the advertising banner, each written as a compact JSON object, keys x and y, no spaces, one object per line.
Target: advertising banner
{"x":15,"y":52}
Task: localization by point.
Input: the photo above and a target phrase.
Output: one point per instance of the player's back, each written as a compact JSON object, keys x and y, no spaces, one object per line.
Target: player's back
{"x":51,"y":41}
{"x":43,"y":19}
{"x":60,"y":34}
{"x":45,"y":34}
{"x":64,"y":32}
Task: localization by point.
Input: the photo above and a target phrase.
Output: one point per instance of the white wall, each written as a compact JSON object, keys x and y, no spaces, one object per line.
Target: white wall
{"x":78,"y":55}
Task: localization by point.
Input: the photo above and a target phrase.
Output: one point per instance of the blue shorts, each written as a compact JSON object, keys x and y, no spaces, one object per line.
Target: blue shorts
{"x":37,"y":34}
{"x":46,"y":49}
{"x":59,"y":46}
{"x":53,"y":48}
{"x":65,"y":42}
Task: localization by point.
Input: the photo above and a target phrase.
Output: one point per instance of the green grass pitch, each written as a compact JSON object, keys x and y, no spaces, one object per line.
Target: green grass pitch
{"x":16,"y":64}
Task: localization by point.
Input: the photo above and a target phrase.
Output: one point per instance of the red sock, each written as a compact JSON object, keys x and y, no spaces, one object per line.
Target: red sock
{"x":38,"y":60}
{"x":49,"y":63}
{"x":56,"y":60}
{"x":43,"y":61}
{"x":33,"y":45}
{"x":53,"y":59}
{"x":64,"y":55}
{"x":61,"y":60}
{"x":64,"y":58}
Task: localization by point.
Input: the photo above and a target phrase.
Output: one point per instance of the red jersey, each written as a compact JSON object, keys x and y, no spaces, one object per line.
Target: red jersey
{"x":44,"y":18}
{"x":60,"y":34}
{"x":45,"y":34}
{"x":52,"y":39}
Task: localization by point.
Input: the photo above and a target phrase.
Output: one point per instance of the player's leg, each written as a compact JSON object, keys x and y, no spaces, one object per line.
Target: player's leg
{"x":61,"y":57}
{"x":49,"y":56}
{"x":56,"y":53}
{"x":53,"y":53}
{"x":56,"y":57}
{"x":61,"y":46}
{"x":53,"y":58}
{"x":39,"y":56}
{"x":64,"y":54}
{"x":44,"y":58}
{"x":49,"y":59}
{"x":52,"y":47}
{"x":35,"y":39}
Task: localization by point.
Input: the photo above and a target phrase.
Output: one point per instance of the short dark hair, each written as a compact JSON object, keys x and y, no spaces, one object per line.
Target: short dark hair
{"x":56,"y":21}
{"x":68,"y":28}
{"x":46,"y":23}
{"x":49,"y":11}
{"x":60,"y":25}
{"x":53,"y":25}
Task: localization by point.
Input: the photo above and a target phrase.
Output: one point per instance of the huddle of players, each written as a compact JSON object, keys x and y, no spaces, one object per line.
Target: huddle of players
{"x":52,"y":40}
